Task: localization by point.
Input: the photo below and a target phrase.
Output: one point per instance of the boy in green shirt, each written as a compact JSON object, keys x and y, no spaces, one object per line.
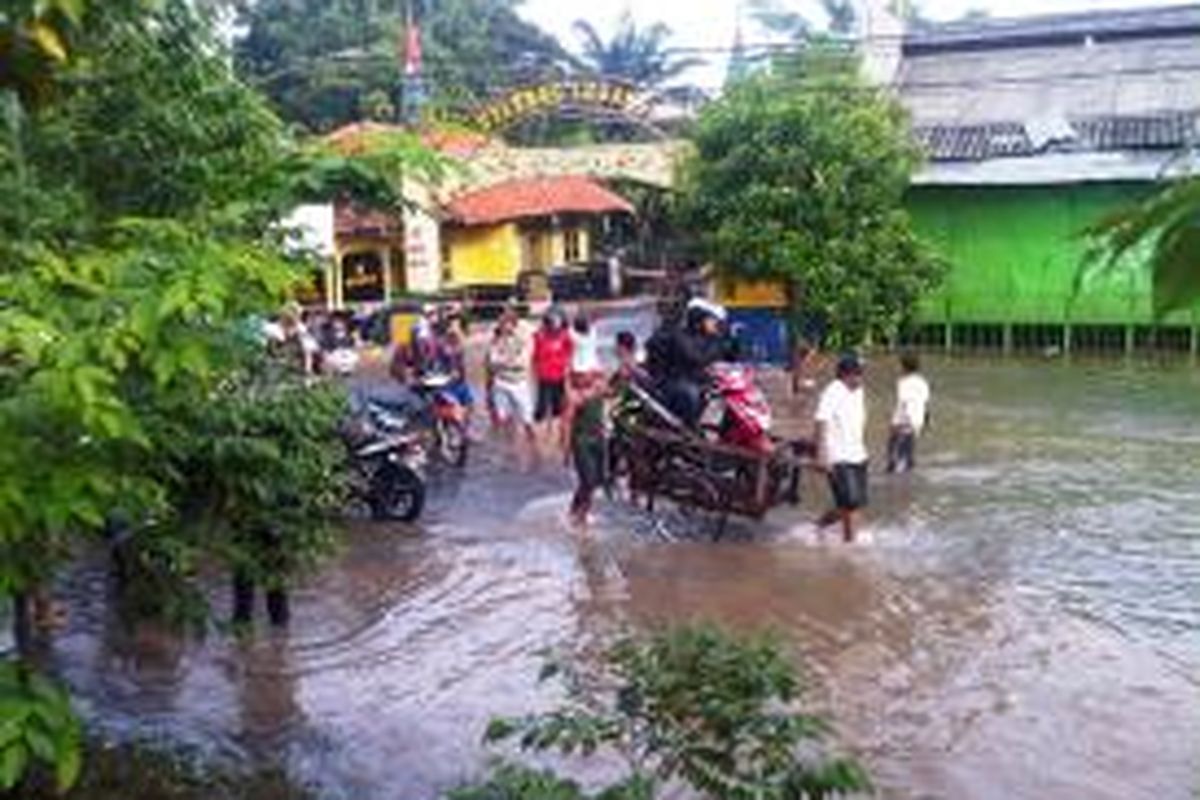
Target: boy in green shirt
{"x":587,"y":442}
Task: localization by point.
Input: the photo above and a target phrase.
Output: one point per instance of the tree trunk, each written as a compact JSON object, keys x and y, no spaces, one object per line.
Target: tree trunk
{"x":22,"y":623}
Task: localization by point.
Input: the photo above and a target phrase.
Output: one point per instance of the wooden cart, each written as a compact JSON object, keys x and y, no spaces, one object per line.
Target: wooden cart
{"x":663,"y":458}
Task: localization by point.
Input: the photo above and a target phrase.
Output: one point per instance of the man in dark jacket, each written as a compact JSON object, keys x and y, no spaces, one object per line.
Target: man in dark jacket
{"x":678,"y":355}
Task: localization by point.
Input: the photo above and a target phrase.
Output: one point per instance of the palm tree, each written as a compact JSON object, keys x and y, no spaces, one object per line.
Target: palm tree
{"x":1166,"y":226}
{"x":38,"y":39}
{"x":33,"y":44}
{"x":777,"y":18}
{"x":633,"y":54}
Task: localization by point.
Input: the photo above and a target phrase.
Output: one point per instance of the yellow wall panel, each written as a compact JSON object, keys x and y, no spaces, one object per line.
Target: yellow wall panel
{"x":485,"y":254}
{"x":737,"y":293}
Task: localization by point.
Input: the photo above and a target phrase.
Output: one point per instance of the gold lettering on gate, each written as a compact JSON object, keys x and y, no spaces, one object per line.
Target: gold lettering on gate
{"x":529,"y":101}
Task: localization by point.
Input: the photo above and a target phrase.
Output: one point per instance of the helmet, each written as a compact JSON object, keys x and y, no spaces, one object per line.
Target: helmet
{"x":701,"y":307}
{"x":698,"y":309}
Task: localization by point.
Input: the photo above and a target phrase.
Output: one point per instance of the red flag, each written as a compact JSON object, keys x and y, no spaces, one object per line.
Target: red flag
{"x":412,"y":49}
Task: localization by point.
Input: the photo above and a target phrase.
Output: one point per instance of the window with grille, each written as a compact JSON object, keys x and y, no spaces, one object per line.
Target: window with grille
{"x":572,"y":246}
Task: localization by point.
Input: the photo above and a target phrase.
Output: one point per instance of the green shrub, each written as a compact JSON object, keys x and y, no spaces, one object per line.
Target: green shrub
{"x":691,"y":704}
{"x":37,"y":726}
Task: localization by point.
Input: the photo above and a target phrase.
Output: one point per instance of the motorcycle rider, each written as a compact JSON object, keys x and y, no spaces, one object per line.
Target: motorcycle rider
{"x":678,"y":356}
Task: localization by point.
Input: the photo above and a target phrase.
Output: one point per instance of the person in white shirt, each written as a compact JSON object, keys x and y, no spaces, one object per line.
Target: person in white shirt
{"x":841,"y":445}
{"x":509,"y":388}
{"x":912,"y":403}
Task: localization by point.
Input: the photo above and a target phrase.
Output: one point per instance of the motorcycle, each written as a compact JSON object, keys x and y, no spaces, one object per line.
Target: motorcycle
{"x":449,"y":418}
{"x":738,"y":410}
{"x":388,"y":461}
{"x":342,"y":361}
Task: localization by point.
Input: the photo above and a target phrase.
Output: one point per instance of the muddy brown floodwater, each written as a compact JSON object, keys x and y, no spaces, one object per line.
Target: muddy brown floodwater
{"x":1021,"y":621}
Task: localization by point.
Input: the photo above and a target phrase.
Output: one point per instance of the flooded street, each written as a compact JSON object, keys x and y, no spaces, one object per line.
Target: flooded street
{"x":1022,"y":620}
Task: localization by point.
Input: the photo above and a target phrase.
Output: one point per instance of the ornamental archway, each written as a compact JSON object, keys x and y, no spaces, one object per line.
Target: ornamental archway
{"x":600,"y":101}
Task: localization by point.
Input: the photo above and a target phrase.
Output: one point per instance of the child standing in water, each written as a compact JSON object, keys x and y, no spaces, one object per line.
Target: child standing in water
{"x":587,"y":446}
{"x":912,"y":402}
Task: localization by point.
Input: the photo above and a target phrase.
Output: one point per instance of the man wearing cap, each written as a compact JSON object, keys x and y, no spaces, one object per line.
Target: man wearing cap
{"x":841,"y":447}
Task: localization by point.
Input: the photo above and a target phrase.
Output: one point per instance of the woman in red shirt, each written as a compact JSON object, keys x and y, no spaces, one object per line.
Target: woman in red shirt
{"x":552,"y":349}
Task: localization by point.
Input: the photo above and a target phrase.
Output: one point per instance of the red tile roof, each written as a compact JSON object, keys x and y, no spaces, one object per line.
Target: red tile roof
{"x":535,"y":197}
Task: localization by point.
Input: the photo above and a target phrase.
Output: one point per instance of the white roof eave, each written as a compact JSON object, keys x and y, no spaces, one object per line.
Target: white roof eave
{"x":1059,"y":168}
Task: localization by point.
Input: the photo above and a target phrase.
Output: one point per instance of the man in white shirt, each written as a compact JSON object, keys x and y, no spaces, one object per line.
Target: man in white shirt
{"x":841,"y":447}
{"x":507,"y":365}
{"x":912,"y":402}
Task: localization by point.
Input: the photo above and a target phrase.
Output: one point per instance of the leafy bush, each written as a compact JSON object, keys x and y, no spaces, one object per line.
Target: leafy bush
{"x":37,"y":725}
{"x":691,"y":704}
{"x":509,"y":781}
{"x":799,"y":175}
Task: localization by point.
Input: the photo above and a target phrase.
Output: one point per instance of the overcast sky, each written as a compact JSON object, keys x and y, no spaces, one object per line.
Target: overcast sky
{"x":710,"y":23}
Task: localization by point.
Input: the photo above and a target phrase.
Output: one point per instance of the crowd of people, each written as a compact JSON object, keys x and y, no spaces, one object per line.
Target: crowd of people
{"x":546,"y":387}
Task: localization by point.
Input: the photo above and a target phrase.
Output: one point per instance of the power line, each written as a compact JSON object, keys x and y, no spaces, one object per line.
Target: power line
{"x":1042,"y":79}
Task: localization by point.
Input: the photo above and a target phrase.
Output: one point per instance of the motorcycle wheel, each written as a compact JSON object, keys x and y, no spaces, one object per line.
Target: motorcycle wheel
{"x":452,"y":442}
{"x":397,"y":493}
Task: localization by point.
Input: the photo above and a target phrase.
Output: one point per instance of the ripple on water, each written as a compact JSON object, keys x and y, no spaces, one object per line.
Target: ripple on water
{"x":1021,"y":623}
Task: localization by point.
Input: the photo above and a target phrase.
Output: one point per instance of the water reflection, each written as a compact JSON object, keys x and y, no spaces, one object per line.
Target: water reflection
{"x":1023,"y":621}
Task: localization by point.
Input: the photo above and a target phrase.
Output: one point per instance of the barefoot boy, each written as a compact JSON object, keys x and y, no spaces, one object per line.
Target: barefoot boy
{"x":912,"y":400}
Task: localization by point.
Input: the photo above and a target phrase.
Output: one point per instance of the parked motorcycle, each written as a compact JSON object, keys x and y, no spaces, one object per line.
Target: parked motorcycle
{"x":388,"y":458}
{"x":449,"y":418}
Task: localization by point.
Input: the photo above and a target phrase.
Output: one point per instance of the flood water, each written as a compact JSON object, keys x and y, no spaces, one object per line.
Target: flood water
{"x":1022,"y":619}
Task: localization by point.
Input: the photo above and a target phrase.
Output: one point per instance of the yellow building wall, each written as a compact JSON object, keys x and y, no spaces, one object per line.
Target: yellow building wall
{"x":494,"y":254}
{"x":486,"y":254}
{"x":738,"y":293}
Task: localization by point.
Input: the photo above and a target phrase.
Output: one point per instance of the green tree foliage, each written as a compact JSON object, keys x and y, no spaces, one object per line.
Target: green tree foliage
{"x":799,"y":175}
{"x":1162,"y":233}
{"x":509,"y":781}
{"x":328,"y":62}
{"x":692,"y":704}
{"x":264,"y":479}
{"x":634,"y":54}
{"x":778,"y":17}
{"x":37,"y":727}
{"x":38,"y":37}
{"x":138,"y":243}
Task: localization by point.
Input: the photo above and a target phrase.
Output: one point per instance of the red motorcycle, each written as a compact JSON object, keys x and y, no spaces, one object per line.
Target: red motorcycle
{"x":450,"y":415}
{"x":740,"y":415}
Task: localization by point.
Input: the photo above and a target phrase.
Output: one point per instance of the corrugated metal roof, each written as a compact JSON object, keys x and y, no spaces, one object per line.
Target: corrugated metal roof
{"x":1129,"y":78}
{"x":1168,"y":130}
{"x":1153,"y":131}
{"x":1096,"y":82}
{"x":1176,"y":20}
{"x":973,"y":142}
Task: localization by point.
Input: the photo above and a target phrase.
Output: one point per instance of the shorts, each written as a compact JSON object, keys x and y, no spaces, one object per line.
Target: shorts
{"x":848,"y":483}
{"x":589,"y":463}
{"x":511,"y":401}
{"x":551,"y":400}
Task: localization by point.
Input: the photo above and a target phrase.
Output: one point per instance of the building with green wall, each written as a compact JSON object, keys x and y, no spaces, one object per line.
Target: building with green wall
{"x":1035,"y":128}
